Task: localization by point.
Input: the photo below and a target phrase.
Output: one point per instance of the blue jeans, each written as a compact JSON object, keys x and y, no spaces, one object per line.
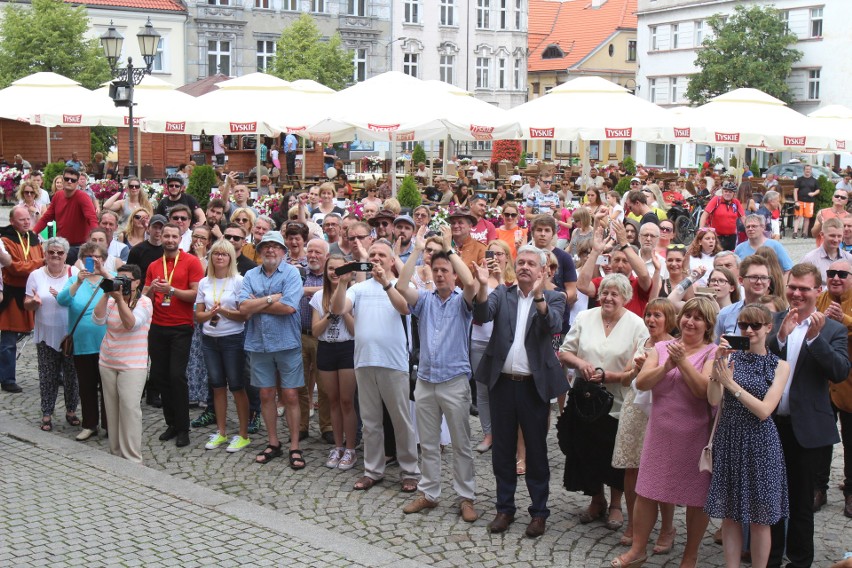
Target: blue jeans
{"x":8,"y":350}
{"x":225,"y":360}
{"x":252,"y":392}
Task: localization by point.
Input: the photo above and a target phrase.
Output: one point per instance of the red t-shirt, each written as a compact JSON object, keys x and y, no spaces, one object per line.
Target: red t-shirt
{"x":484,"y":232}
{"x":638,"y":302}
{"x":74,"y":216}
{"x":188,"y":271}
{"x":722,"y":215}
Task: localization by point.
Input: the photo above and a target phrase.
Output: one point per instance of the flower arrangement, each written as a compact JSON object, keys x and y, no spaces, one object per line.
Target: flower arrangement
{"x":495,"y":215}
{"x":440,"y":218}
{"x":371,"y":163}
{"x":464,"y":162}
{"x":105,"y":188}
{"x":9,"y":181}
{"x":355,"y":209}
{"x":268,"y":204}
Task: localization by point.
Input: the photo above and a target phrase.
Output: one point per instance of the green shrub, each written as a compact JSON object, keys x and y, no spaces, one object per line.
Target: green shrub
{"x":201,"y":181}
{"x":623,"y":185}
{"x":522,"y":163}
{"x":408,"y":194}
{"x":51,"y":171}
{"x":629,"y":165}
{"x":826,"y":192}
{"x":418,"y":155}
{"x":755,"y":167}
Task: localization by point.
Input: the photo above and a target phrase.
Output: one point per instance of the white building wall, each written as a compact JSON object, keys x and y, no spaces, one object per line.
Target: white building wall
{"x":660,"y":60}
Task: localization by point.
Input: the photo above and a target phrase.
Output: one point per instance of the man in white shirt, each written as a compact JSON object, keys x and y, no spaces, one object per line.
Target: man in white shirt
{"x":830,"y":251}
{"x":531,"y":186}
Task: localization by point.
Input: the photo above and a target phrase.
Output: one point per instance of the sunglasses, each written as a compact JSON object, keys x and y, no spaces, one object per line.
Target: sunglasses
{"x":180,"y":218}
{"x":753,"y":325}
{"x":139,"y":217}
{"x":55,"y":253}
{"x":676,"y":247}
{"x":289,"y":223}
{"x":547,"y":181}
{"x":354,"y":238}
{"x":29,"y":193}
{"x":842,"y":274}
{"x":383,"y":224}
{"x":841,"y":197}
{"x":666,"y":229}
{"x":134,"y":185}
{"x":233,"y":237}
{"x":70,"y":180}
{"x":242,"y":220}
{"x":173,"y":185}
{"x":510,"y":215}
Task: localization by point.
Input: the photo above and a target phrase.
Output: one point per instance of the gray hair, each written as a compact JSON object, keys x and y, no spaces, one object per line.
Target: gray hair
{"x":332,"y":216}
{"x":268,"y":220}
{"x":724,"y":253}
{"x":534,"y":250}
{"x":754,"y":218}
{"x":58,"y":242}
{"x":620,"y":283}
{"x":770,"y":195}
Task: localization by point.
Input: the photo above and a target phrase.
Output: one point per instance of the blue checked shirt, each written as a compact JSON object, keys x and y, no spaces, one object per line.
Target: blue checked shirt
{"x":444,"y":331}
{"x":267,"y":333}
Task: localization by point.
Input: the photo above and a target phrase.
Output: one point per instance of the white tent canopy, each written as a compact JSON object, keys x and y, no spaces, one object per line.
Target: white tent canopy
{"x":836,"y":120}
{"x":49,"y":99}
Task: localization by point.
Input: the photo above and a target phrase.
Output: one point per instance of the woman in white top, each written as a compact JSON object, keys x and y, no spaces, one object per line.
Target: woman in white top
{"x":222,"y":342}
{"x":704,"y":248}
{"x":51,"y":325}
{"x":128,"y":200}
{"x":28,"y":195}
{"x":336,"y":365}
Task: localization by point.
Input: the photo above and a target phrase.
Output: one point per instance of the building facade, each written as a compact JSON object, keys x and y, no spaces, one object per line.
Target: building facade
{"x":477,"y":45}
{"x":571,"y":39}
{"x":671,"y":31}
{"x":237,"y":37}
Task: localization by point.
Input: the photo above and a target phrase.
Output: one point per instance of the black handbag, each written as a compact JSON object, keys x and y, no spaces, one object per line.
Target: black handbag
{"x":589,"y":401}
{"x":413,"y":354}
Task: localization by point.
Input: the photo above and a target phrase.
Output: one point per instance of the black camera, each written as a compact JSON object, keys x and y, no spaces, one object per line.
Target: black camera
{"x":119,"y":283}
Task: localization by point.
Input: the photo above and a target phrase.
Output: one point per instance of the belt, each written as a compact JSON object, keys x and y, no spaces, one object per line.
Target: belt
{"x":307,"y":332}
{"x":517,"y":378}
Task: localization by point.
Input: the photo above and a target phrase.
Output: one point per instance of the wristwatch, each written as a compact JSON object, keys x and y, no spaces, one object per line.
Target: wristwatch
{"x":738,"y":393}
{"x":624,"y":246}
{"x":172,"y":291}
{"x":268,"y":300}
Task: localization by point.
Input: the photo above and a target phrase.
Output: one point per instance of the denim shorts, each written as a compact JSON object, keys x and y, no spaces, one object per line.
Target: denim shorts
{"x":335,"y":356}
{"x":225,"y":360}
{"x":278,"y":368}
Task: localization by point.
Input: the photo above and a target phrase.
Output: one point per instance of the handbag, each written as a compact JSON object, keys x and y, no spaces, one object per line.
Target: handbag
{"x":66,"y":346}
{"x":643,"y":400}
{"x":413,"y":354}
{"x":705,"y":462}
{"x":589,"y":401}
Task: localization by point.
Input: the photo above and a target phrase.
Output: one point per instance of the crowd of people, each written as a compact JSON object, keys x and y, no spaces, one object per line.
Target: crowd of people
{"x":707,"y":375}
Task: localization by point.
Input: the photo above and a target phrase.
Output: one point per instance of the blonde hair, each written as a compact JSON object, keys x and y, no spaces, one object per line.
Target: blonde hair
{"x":251,"y":215}
{"x":20,"y":193}
{"x":707,"y":309}
{"x":508,"y":272}
{"x":223,"y":245}
{"x":128,"y":228}
{"x":392,"y":204}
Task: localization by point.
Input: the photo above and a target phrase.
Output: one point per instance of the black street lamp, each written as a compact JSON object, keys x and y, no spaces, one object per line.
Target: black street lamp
{"x":121,"y":90}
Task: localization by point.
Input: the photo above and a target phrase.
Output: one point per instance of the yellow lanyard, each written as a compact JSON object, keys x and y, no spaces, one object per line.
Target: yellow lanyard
{"x":165,"y":270}
{"x":25,"y":245}
{"x":215,"y":298}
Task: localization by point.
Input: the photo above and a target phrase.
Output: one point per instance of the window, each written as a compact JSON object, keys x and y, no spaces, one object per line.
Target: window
{"x":159,"y":58}
{"x":483,"y":65}
{"x":483,"y":14}
{"x":409,"y":64}
{"x":631,"y":50}
{"x":674,"y":32}
{"x":653,"y":30}
{"x":218,"y":2}
{"x":785,"y":15}
{"x":518,"y":12}
{"x":448,"y":12}
{"x":263,"y":4}
{"x":412,"y":11}
{"x":652,"y":90}
{"x":552,"y":51}
{"x":290,"y":5}
{"x":816,"y":22}
{"x":501,"y":74}
{"x":673,"y":82}
{"x":265,"y":54}
{"x":219,"y":57}
{"x":517,"y":74}
{"x":318,"y":6}
{"x":503,"y":15}
{"x":813,"y":84}
{"x":357,"y":7}
{"x":445,"y":68}
{"x":536,"y":88}
{"x":699,"y":32}
{"x":359,"y":62}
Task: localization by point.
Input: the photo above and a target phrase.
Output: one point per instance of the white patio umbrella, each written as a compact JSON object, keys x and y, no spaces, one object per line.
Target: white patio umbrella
{"x":837,"y":122}
{"x":49,"y":99}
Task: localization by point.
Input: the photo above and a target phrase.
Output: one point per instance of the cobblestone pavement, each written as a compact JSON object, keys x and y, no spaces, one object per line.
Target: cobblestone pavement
{"x":61,"y":497}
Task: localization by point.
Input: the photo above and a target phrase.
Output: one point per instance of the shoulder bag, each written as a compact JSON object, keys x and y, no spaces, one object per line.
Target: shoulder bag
{"x":705,"y":462}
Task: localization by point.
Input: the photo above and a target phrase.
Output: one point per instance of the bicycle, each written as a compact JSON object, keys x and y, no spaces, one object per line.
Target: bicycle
{"x":788,"y":213}
{"x":686,"y":224}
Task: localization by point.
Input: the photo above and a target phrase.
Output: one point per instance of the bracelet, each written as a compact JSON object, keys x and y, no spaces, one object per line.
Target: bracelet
{"x":603,"y":374}
{"x":538,"y":300}
{"x":388,"y":287}
{"x":624,"y":246}
{"x":428,"y":281}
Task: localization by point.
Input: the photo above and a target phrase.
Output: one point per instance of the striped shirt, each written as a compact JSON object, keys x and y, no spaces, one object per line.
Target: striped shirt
{"x":126,"y":349}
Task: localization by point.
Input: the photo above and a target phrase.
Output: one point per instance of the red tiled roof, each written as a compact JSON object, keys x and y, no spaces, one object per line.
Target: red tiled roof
{"x":158,"y":5}
{"x":575,"y":26}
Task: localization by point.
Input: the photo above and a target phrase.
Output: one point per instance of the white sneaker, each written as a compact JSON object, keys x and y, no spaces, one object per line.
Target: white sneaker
{"x":334,"y":458}
{"x":348,"y":460}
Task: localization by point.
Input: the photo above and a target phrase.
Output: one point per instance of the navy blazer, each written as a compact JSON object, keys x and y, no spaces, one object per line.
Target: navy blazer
{"x":502,"y":309}
{"x":825,"y":359}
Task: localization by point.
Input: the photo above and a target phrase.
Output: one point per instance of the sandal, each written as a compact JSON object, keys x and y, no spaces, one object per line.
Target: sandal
{"x":296,"y":460}
{"x":46,"y":424}
{"x":409,"y":485}
{"x":615,"y":524}
{"x":587,"y":516}
{"x":617,"y":562}
{"x":665,"y":541}
{"x":72,"y":419}
{"x":270,"y":453}
{"x":365,"y":483}
{"x":521,"y":466}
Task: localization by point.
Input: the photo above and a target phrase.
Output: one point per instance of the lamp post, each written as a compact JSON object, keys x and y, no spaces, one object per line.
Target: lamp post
{"x":121,"y":90}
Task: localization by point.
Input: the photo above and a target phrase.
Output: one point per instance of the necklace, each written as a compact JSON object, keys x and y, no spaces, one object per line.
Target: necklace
{"x":52,"y":275}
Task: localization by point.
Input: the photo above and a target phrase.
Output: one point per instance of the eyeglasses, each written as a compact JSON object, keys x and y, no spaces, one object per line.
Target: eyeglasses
{"x":221,"y":253}
{"x":233,"y":237}
{"x":754,"y":325}
{"x":70,"y":180}
{"x":719,"y":281}
{"x":421,"y":215}
{"x":55,"y":253}
{"x":842,"y":274}
{"x":29,"y":192}
{"x":547,"y":181}
{"x":757,"y":278}
{"x":842,"y":197}
{"x":173,"y":185}
{"x":383,"y":223}
{"x":666,"y":229}
{"x":139,"y":216}
{"x":510,"y":215}
{"x":134,"y":185}
{"x":243,"y":220}
{"x":179,"y":218}
{"x":353,"y":238}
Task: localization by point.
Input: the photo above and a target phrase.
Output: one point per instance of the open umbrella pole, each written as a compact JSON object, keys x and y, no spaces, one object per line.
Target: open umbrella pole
{"x":257,"y":160}
{"x":393,"y":167}
{"x":49,"y":150}
{"x":304,"y":159}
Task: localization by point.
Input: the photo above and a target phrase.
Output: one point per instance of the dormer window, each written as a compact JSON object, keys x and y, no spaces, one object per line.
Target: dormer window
{"x":552,"y":51}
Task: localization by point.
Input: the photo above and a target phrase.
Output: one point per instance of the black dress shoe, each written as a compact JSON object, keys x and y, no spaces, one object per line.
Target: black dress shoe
{"x":154,"y":400}
{"x":182,"y":439}
{"x":168,"y":434}
{"x":500,"y":523}
{"x":11,"y":387}
{"x":303,"y":435}
{"x":819,"y":500}
{"x":536,"y":527}
{"x":328,"y":437}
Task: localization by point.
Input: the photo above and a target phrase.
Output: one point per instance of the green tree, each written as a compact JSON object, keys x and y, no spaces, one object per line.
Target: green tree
{"x":302,"y":53}
{"x":418,"y":155}
{"x":750,"y":48}
{"x":408,"y":194}
{"x":103,"y":138}
{"x":201,"y":181}
{"x":826,"y":192}
{"x":50,"y":36}
{"x":629,"y":165}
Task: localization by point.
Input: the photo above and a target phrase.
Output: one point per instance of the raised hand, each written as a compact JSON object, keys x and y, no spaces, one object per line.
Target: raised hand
{"x":817,"y":323}
{"x":447,"y":237}
{"x":480,"y":272}
{"x":420,"y":238}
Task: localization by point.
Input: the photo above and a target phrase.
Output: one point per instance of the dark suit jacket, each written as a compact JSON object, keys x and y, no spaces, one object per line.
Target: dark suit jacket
{"x":502,"y":309}
{"x":824,"y":360}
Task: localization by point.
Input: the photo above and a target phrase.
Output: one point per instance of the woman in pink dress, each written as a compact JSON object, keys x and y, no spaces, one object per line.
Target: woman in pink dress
{"x":677,"y":372}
